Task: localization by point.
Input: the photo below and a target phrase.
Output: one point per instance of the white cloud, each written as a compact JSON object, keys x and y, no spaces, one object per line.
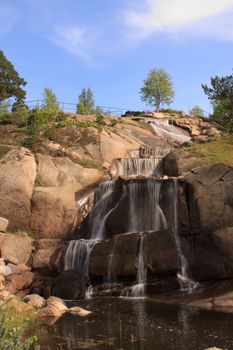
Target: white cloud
{"x":75,"y":39}
{"x":8,"y":17}
{"x":172,"y":15}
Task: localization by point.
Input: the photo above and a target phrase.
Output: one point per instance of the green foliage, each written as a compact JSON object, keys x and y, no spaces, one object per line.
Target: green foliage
{"x":38,"y":123}
{"x":86,"y":102}
{"x":5,"y":115}
{"x":157,"y":89}
{"x":197,"y":111}
{"x":39,"y":181}
{"x":215,"y":152}
{"x":86,"y":163}
{"x":60,"y":117}
{"x":10,"y":81}
{"x":12,"y":335}
{"x":134,"y":113}
{"x":221,"y":95}
{"x":172,"y":111}
{"x":100,"y":120}
{"x":114,"y":122}
{"x":74,"y":123}
{"x":50,"y":103}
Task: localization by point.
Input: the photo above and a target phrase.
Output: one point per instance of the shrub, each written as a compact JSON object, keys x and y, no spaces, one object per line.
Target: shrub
{"x":12,"y":335}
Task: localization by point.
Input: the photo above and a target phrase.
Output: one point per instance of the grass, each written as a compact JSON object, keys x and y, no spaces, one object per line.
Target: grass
{"x":219,"y":151}
{"x":86,"y":163}
{"x":40,"y":182}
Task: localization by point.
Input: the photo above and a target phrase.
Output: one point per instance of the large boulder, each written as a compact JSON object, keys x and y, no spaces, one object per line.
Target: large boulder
{"x":223,"y":241}
{"x":47,"y":254}
{"x":161,"y":253}
{"x":54,"y":211}
{"x":210,"y":198}
{"x":18,"y":282}
{"x":56,"y":172}
{"x":69,"y":285}
{"x":16,"y":248}
{"x":116,"y":257}
{"x":17,"y":177}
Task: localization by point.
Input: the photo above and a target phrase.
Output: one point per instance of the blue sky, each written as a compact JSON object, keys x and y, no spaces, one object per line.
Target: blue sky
{"x":111,"y":45}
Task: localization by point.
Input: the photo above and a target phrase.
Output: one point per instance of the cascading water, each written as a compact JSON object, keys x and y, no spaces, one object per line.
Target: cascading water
{"x":138,"y":289}
{"x":139,"y":167}
{"x":168,"y":131}
{"x":145,"y":211}
{"x":186,"y":283}
{"x":157,"y":152}
{"x":142,"y":198}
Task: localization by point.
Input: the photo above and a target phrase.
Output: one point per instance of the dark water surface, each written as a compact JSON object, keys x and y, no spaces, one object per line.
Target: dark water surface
{"x":139,"y":324}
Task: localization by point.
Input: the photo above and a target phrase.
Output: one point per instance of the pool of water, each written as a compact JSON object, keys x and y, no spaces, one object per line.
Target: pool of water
{"x":139,"y":324}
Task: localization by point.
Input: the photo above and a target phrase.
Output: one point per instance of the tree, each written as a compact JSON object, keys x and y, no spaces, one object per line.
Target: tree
{"x":10,"y":81}
{"x":50,"y":103}
{"x":157,"y":89}
{"x":197,"y":111}
{"x":86,"y":102}
{"x":221,"y":95}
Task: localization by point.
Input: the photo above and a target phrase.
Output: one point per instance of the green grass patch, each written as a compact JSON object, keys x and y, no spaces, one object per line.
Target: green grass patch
{"x":86,"y":163}
{"x":40,"y":182}
{"x":219,"y":151}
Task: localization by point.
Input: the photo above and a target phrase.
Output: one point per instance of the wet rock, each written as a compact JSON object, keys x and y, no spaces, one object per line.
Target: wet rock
{"x":47,"y":254}
{"x":57,"y":303}
{"x":161,"y":253}
{"x":70,"y":285}
{"x":17,"y":177}
{"x":3,"y":224}
{"x":76,"y":310}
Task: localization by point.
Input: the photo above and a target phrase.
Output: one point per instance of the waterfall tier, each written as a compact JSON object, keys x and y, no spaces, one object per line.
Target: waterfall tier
{"x":167,"y":131}
{"x":139,"y":167}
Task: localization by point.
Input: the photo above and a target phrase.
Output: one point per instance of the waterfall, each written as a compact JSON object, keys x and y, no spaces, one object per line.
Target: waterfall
{"x":139,"y":167}
{"x":77,"y":255}
{"x":168,"y":131}
{"x":103,"y":199}
{"x":186,"y":283}
{"x":144,"y":209}
{"x":139,"y":289}
{"x":110,"y":276}
{"x":157,"y":152}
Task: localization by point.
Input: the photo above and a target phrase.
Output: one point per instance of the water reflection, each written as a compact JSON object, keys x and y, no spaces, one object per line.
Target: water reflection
{"x":139,"y":324}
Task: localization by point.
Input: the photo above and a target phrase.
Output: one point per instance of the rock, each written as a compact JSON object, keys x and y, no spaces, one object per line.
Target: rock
{"x":3,"y":224}
{"x":57,"y":303}
{"x":54,"y":211}
{"x":69,"y":285}
{"x":5,"y":271}
{"x":18,"y":305}
{"x":35,"y":300}
{"x":2,"y":280}
{"x":16,"y":248}
{"x":6,"y":295}
{"x":56,"y":172}
{"x":48,"y":250}
{"x":76,"y":310}
{"x":210,"y":198}
{"x":2,"y":262}
{"x":14,"y":269}
{"x":124,"y":260}
{"x":15,"y":283}
{"x":17,"y":177}
{"x":214,"y":348}
{"x":161,"y":253}
{"x":223,"y":241}
{"x":206,"y":304}
{"x":179,"y":162}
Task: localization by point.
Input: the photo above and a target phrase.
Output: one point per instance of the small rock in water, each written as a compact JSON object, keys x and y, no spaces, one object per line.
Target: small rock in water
{"x":79,"y":311}
{"x":214,"y":348}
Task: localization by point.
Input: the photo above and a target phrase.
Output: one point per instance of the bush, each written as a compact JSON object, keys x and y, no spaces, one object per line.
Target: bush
{"x":12,"y":335}
{"x":114,"y":122}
